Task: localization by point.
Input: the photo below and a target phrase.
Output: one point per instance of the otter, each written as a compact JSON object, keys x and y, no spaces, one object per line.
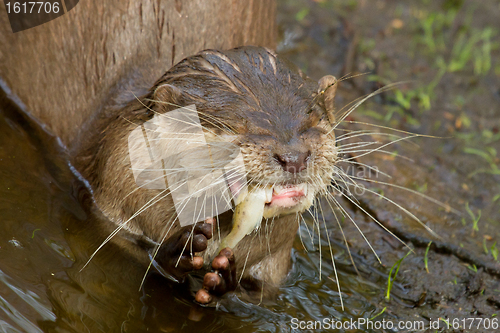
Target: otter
{"x":282,"y":122}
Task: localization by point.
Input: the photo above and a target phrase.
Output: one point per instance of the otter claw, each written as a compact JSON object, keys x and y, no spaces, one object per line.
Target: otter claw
{"x":176,"y":255}
{"x":221,"y":280}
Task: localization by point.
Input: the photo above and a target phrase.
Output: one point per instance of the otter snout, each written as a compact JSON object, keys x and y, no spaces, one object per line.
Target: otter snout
{"x":293,"y":162}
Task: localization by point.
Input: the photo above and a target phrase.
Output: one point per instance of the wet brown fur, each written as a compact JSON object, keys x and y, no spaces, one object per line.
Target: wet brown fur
{"x":266,"y":105}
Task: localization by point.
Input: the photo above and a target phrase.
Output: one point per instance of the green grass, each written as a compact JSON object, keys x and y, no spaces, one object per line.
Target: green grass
{"x":494,"y":251}
{"x":485,"y":248}
{"x":472,"y":268}
{"x":475,"y":218}
{"x":391,"y":278}
{"x":378,"y":314}
{"x":489,"y":154}
{"x":302,"y":14}
{"x":426,"y":256}
{"x":470,"y":51}
{"x":33,"y":234}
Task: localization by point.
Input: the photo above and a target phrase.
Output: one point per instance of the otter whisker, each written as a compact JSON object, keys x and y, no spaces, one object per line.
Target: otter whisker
{"x":333,"y":258}
{"x":349,"y":76}
{"x":227,"y":126}
{"x":407,"y":212}
{"x":316,"y":223}
{"x":246,"y":260}
{"x":155,"y":130}
{"x":328,"y":200}
{"x":350,"y":131}
{"x":300,"y":231}
{"x":146,"y":183}
{"x":341,"y":178}
{"x":358,"y":103}
{"x":369,"y":167}
{"x":179,"y":106}
{"x":266,"y":231}
{"x":313,"y":210}
{"x":394,"y":129}
{"x":310,"y":235}
{"x":343,"y":174}
{"x":368,"y":133}
{"x":233,"y":182}
{"x":357,"y":227}
{"x":164,"y":115}
{"x":157,"y":247}
{"x":387,"y":144}
{"x":319,"y":240}
{"x":121,"y":226}
{"x":376,"y":221}
{"x":431,"y":199}
{"x":356,"y":145}
{"x":368,"y":151}
{"x":190,"y":239}
{"x":180,"y":169}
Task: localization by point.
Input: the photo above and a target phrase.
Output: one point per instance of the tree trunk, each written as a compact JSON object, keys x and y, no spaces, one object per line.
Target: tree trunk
{"x":66,"y":70}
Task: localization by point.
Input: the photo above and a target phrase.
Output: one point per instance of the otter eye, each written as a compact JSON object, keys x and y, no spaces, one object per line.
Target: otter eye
{"x":314,"y":108}
{"x":318,"y":114}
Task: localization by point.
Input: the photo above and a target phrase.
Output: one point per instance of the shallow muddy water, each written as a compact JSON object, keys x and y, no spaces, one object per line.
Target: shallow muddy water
{"x":48,"y":231}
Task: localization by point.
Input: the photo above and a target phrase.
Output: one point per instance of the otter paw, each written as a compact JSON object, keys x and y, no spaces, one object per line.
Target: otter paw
{"x":176,"y":256}
{"x":221,"y":280}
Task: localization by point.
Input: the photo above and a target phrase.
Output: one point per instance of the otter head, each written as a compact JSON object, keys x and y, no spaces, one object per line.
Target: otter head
{"x":281,"y":121}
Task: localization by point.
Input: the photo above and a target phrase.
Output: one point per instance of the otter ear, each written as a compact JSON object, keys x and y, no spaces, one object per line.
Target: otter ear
{"x":327,"y":87}
{"x":166,"y":96}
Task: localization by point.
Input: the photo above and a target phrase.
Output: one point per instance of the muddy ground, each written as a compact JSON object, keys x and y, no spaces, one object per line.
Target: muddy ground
{"x":444,"y":55}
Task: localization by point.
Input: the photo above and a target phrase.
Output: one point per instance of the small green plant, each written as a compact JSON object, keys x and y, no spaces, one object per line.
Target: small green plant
{"x":472,"y":268}
{"x":482,"y":56}
{"x":445,"y":321}
{"x":474,"y":47}
{"x":489,"y":136}
{"x":391,"y":278}
{"x":378,"y":314}
{"x":422,"y":188}
{"x":33,"y":234}
{"x":485,"y":248}
{"x":426,"y":256}
{"x":475,"y":219}
{"x":494,"y":251}
{"x":432,"y":27}
{"x":490,"y":155}
{"x":301,"y":14}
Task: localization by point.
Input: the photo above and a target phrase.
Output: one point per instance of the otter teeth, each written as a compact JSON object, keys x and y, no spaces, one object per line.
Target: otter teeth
{"x":303,"y":187}
{"x":269,"y":194}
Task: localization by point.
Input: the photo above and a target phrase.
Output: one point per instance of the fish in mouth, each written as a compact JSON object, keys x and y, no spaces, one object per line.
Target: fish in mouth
{"x":258,"y":203}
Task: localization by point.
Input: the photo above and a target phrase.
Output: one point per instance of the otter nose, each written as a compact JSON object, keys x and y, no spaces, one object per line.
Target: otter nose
{"x":293,"y":162}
